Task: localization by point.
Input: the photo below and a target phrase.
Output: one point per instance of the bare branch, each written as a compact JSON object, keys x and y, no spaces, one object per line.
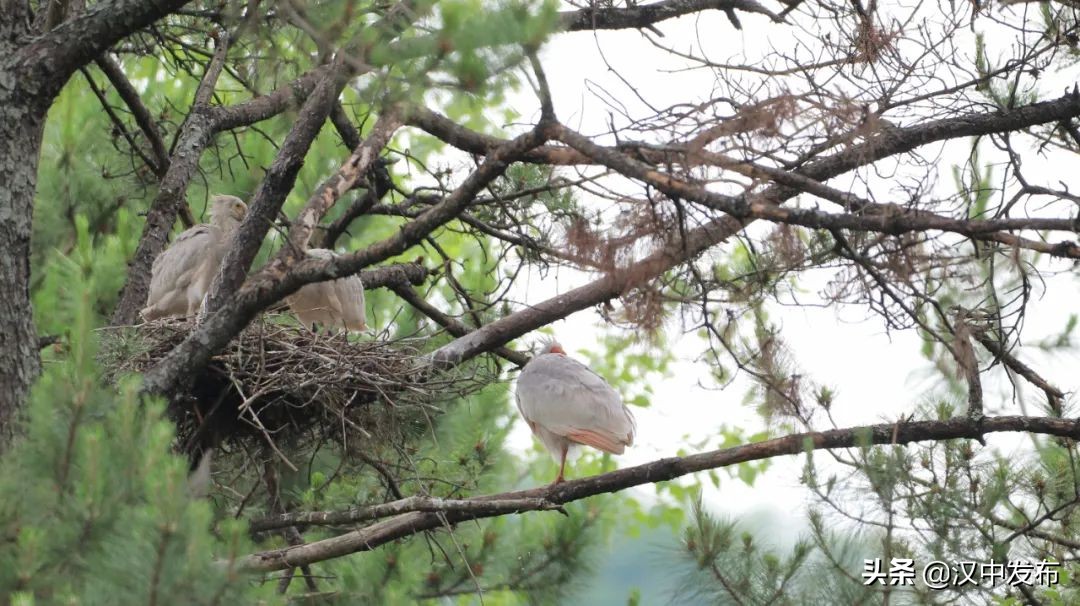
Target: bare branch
{"x":404,"y":505}
{"x":52,"y":58}
{"x":327,"y":194}
{"x":454,"y":134}
{"x":453,"y":326}
{"x":263,"y":107}
{"x":646,"y":15}
{"x":1054,"y":396}
{"x":662,"y":470}
{"x":142,"y":116}
{"x":348,"y":133}
{"x":213,"y":69}
{"x":152,"y":163}
{"x":702,"y":238}
{"x":764,"y":207}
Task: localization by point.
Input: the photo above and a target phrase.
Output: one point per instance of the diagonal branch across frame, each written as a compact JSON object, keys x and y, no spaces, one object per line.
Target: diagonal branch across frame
{"x":431,"y":515}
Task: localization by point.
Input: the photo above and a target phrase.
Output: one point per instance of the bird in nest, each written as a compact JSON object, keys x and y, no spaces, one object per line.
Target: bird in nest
{"x":181,"y":275}
{"x":566,"y":404}
{"x":337,"y":304}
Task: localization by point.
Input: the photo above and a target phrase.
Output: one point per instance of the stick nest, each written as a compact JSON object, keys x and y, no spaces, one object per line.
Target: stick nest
{"x":282,"y":386}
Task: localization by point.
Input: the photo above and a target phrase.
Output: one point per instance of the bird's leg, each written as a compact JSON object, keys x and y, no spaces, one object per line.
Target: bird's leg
{"x":562,"y":467}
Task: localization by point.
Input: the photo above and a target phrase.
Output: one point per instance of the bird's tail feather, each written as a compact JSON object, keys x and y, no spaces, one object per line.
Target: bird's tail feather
{"x":598,"y":439}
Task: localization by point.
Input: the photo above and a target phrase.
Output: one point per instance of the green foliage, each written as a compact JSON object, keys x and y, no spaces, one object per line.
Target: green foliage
{"x":632,"y":370}
{"x":93,"y":507}
{"x":728,"y":565}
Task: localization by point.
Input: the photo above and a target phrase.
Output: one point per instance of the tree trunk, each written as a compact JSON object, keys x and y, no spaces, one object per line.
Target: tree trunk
{"x":21,"y":127}
{"x":33,"y":69}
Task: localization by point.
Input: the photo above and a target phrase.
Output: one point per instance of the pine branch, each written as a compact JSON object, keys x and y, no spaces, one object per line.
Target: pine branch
{"x":892,"y":220}
{"x":274,"y":188}
{"x":407,"y":524}
{"x":142,"y":116}
{"x":50,"y":59}
{"x":1054,"y":396}
{"x":453,"y":326}
{"x":400,"y":506}
{"x":153,"y":163}
{"x":648,"y":15}
{"x":364,"y":157}
{"x":639,"y":159}
{"x":696,"y":241}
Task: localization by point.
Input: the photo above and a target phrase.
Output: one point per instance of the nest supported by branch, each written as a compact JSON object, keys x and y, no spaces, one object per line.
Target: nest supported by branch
{"x":281,"y":386}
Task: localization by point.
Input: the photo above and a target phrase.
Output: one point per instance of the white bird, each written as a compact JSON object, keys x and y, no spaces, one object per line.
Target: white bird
{"x":565,"y":404}
{"x":337,"y":303}
{"x":182,"y":274}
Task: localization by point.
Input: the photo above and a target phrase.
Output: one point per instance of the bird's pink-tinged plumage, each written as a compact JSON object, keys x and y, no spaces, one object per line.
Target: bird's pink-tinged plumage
{"x":565,"y":404}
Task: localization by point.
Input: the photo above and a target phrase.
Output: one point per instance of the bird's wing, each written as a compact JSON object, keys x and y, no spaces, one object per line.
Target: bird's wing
{"x":568,"y":399}
{"x":175,"y":267}
{"x":331,"y":304}
{"x":350,"y":294}
{"x":310,"y":303}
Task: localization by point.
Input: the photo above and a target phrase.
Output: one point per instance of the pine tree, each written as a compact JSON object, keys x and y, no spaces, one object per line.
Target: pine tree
{"x":95,"y":508}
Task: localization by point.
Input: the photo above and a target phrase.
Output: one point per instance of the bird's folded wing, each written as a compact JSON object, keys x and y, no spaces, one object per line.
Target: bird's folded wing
{"x":174,"y":267}
{"x":564,"y":396}
{"x":350,"y":294}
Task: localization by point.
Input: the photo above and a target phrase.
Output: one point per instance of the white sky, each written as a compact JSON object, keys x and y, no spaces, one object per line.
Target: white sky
{"x":878,"y":375}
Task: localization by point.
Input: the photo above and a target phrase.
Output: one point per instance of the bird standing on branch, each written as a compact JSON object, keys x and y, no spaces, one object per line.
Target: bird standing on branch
{"x":335,"y":303}
{"x":181,"y":275}
{"x":566,"y":404}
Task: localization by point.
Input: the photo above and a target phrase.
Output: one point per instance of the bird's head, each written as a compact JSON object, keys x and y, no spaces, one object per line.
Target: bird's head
{"x":228,"y":206}
{"x":553,"y":347}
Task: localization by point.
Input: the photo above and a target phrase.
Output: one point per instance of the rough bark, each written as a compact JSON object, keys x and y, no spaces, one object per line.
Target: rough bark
{"x":21,"y":126}
{"x":32,"y":72}
{"x":13,"y":19}
{"x":22,"y":119}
